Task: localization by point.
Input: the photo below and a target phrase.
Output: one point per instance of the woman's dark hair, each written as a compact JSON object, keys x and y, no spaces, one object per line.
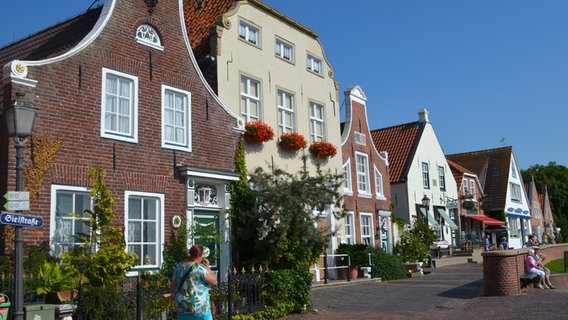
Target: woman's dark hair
{"x":195,"y":252}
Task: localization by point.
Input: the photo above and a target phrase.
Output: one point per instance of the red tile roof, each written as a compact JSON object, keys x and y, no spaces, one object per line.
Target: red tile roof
{"x":458,"y":172}
{"x":52,"y":41}
{"x":200,"y":16}
{"x":400,"y":142}
{"x":492,"y":168}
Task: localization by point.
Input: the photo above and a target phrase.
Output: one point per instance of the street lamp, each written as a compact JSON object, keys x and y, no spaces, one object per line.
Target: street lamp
{"x":20,"y":118}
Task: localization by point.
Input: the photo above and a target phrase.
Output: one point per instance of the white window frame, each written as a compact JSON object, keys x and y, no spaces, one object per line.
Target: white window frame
{"x":247,"y":97}
{"x":159,"y":221}
{"x":465,"y":184}
{"x":181,"y":119}
{"x":284,"y":50}
{"x":286,"y":111}
{"x":472,"y":188}
{"x":314,"y":64}
{"x":367,"y":229}
{"x":425,"y":175}
{"x":130,"y":135}
{"x":379,"y":192}
{"x":317,"y":121}
{"x":55,"y":189}
{"x":442,"y":177}
{"x":249,"y":33}
{"x":147,"y":35}
{"x":350,"y":228}
{"x":516,"y":194}
{"x":347,"y":184}
{"x":362,"y":168}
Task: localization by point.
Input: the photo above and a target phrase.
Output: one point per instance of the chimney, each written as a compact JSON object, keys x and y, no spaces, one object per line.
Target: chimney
{"x":423,"y":115}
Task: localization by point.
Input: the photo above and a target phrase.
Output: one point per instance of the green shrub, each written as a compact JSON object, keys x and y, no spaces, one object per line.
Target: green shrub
{"x":290,"y":288}
{"x":414,"y":244}
{"x":387,"y":266}
{"x":103,"y":303}
{"x":358,"y":254}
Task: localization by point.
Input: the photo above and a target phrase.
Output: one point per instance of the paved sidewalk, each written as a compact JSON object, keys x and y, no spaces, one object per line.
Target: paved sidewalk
{"x":450,"y":292}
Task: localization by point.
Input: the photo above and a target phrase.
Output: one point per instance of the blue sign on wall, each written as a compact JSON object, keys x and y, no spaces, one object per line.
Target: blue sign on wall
{"x":21,"y":220}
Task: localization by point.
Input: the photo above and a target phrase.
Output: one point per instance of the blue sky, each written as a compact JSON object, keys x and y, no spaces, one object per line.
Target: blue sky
{"x":490,"y":73}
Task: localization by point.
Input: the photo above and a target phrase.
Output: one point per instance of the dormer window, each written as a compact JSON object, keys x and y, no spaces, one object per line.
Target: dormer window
{"x":147,"y":35}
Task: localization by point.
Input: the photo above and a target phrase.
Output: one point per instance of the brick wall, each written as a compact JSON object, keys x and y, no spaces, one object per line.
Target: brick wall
{"x":502,"y":269}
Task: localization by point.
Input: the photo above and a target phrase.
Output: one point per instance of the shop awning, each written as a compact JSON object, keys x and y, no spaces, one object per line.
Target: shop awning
{"x":431,"y":219}
{"x":488,"y":221}
{"x":446,"y":217}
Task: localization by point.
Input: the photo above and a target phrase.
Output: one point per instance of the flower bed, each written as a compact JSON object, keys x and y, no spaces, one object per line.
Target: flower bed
{"x":293,"y":141}
{"x":323,"y":149}
{"x":257,"y":132}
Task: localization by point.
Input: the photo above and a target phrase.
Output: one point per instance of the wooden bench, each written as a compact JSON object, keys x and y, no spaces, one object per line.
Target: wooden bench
{"x":527,"y":279}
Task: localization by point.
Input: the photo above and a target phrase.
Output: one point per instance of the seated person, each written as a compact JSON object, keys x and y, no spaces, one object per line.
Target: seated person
{"x":504,"y":245}
{"x":539,"y":258}
{"x":532,"y":241}
{"x":530,"y":267}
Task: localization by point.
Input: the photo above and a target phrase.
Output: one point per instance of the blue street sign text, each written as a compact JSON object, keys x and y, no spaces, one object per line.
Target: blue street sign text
{"x":21,"y":220}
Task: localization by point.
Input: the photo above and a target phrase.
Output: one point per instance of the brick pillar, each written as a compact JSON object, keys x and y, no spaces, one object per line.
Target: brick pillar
{"x":502,"y":271}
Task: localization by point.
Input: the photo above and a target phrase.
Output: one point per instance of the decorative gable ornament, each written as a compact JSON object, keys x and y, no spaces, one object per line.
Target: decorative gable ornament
{"x":151,"y":4}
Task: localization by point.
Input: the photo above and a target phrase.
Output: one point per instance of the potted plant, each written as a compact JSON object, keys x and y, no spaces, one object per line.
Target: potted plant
{"x":323,"y":149}
{"x":257,"y":132}
{"x":358,"y":256}
{"x":293,"y":141}
{"x":59,"y":282}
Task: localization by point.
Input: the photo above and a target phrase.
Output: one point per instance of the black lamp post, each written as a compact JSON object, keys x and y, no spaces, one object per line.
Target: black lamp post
{"x":426,"y":205}
{"x":20,"y":117}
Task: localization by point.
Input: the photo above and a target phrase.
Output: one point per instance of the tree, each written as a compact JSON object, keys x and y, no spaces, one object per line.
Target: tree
{"x":101,"y":255}
{"x":555,"y":177}
{"x":277,"y":224}
{"x":414,"y":244}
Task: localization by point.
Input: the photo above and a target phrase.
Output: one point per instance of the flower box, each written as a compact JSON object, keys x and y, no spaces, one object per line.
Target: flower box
{"x":293,"y":141}
{"x":323,"y":149}
{"x":257,"y":132}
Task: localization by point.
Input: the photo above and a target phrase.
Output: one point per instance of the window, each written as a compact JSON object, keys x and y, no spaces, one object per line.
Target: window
{"x":175,"y":119}
{"x":119,"y":106}
{"x":66,"y":227}
{"x":442,"y":176}
{"x":314,"y":64}
{"x":250,"y":99}
{"x":465,"y":187}
{"x":363,"y":174}
{"x":515,"y":192}
{"x":284,"y":50}
{"x":513,"y":169}
{"x":249,"y":33}
{"x":147,"y":35}
{"x":144,"y":227}
{"x":425,"y":176}
{"x":366,"y":229}
{"x":347,"y":188}
{"x":285,"y":112}
{"x":349,"y":228}
{"x":472,"y":184}
{"x":317,"y":122}
{"x":379,"y":184}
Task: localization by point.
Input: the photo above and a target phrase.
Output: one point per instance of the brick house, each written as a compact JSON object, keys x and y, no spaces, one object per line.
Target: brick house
{"x":117,"y":87}
{"x":542,"y":220}
{"x":366,"y":179}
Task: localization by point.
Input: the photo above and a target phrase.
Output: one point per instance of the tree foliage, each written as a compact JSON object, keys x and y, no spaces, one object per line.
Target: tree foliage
{"x":101,"y":255}
{"x":276,"y":222}
{"x":555,"y":177}
{"x":414,"y":244}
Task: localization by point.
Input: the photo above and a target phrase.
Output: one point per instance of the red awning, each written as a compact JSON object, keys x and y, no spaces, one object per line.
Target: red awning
{"x":488,"y":221}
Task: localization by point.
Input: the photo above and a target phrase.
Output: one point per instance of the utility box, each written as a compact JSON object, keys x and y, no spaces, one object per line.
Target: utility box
{"x":39,"y":312}
{"x":64,"y":312}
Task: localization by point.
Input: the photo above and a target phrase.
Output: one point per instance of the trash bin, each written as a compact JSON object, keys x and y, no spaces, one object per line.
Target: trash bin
{"x":39,"y":312}
{"x":64,"y":312}
{"x":565,"y":260}
{"x":4,"y":306}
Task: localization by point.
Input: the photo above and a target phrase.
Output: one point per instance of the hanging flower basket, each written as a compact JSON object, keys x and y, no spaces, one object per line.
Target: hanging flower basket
{"x":293,"y":141}
{"x":323,"y":149}
{"x":257,"y":132}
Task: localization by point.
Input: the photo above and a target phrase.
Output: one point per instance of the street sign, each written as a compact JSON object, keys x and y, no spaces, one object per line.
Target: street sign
{"x":17,"y":201}
{"x":21,"y":220}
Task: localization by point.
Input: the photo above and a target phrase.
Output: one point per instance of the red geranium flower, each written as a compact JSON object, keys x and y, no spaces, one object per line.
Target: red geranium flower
{"x":257,"y":132}
{"x":293,"y":141}
{"x":323,"y":149}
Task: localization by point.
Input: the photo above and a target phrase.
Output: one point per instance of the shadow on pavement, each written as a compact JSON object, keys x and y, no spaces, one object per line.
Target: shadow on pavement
{"x":468,"y":291}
